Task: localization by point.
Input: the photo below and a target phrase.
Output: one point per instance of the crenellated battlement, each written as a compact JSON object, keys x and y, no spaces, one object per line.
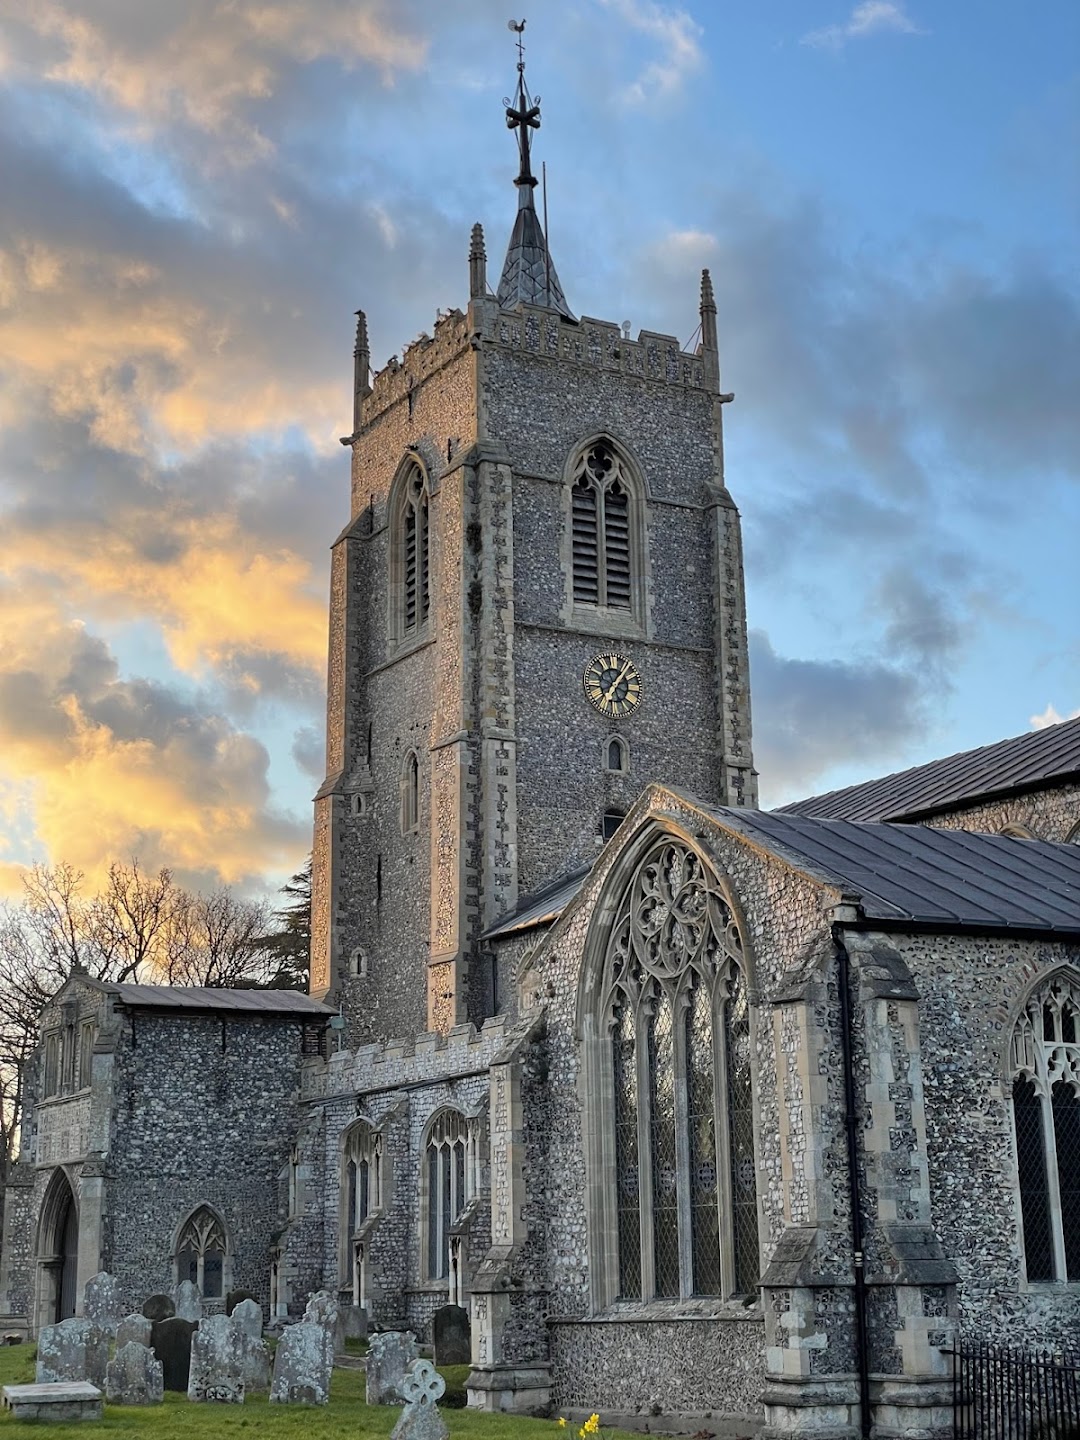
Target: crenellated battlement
{"x":426,"y":355}
{"x":596,"y":344}
{"x":429,"y":1057}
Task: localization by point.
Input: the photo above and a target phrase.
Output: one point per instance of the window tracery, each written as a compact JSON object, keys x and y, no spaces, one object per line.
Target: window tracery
{"x":1045,"y":1068}
{"x":451,"y":1164}
{"x":602,"y":522}
{"x":201,"y":1251}
{"x":675,"y":1026}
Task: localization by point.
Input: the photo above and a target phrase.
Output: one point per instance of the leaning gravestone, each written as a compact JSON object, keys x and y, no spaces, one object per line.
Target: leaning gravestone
{"x":159,"y":1307}
{"x":352,"y":1324}
{"x":450,"y":1335}
{"x":303,"y":1362}
{"x":133,"y":1328}
{"x":389,"y":1357}
{"x":72,"y":1350}
{"x":216,"y":1367}
{"x":134,"y":1376}
{"x":421,"y":1420}
{"x":103,"y":1304}
{"x":188,"y":1301}
{"x":171,"y":1343}
{"x":237,"y":1297}
{"x":249,"y":1317}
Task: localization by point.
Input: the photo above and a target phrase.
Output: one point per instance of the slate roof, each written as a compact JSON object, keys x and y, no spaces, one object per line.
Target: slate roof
{"x":199,"y":997}
{"x":541,"y":906}
{"x":528,"y":272}
{"x":914,"y":876}
{"x":1041,"y":757}
{"x":900,"y":876}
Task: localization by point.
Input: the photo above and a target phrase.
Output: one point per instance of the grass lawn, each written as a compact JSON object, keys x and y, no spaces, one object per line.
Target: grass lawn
{"x":347,"y":1417}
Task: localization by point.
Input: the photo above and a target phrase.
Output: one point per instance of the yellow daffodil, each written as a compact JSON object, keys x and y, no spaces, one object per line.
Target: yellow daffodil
{"x":561,"y":1422}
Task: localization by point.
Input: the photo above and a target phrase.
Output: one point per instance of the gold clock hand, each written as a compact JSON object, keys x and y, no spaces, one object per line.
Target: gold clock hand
{"x":616,"y":683}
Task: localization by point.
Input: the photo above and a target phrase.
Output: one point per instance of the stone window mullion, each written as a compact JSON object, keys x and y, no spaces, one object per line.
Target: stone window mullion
{"x":1053,"y":1181}
{"x":645,"y":1168}
{"x":682,"y":1147}
{"x":722,"y":1139}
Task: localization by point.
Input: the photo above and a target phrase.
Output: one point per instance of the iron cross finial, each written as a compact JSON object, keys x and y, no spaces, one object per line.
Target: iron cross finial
{"x":523,"y":113}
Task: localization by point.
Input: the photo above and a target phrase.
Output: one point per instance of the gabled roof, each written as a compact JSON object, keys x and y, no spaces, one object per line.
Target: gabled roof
{"x":918,"y":877}
{"x":898,"y":876}
{"x":1041,"y":757}
{"x":199,"y":997}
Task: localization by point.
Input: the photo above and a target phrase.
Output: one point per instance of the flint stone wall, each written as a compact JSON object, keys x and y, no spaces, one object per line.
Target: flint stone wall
{"x":1050,"y":814}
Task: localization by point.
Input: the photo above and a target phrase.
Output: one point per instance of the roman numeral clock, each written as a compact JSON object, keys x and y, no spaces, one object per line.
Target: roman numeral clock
{"x":612,"y":685}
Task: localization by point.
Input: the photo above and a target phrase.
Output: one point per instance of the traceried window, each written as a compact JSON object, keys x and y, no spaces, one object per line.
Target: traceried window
{"x":200,"y":1254}
{"x":363,"y":1175}
{"x":1045,"y":1062}
{"x":676,"y":1023}
{"x":86,"y":1053}
{"x":53,"y":1053}
{"x":602,"y":521}
{"x":450,"y":1173}
{"x":411,"y":539}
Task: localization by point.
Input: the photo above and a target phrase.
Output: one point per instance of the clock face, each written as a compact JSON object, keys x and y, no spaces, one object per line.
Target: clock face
{"x":613,"y":685}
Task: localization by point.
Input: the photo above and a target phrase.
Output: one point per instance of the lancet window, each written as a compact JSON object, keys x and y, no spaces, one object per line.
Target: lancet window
{"x":201,"y":1252}
{"x":411,"y":558}
{"x":1046,"y":1112}
{"x":677,"y":1031}
{"x":410,"y":794}
{"x":602,"y":519}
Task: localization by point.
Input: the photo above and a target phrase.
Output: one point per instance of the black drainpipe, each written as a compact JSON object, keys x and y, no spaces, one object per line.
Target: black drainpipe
{"x":862,"y":1339}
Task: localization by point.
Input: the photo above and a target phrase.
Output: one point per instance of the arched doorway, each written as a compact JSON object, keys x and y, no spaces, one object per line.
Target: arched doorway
{"x":58,"y":1252}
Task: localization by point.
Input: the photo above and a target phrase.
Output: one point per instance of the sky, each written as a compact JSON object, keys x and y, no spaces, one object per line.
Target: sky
{"x":198,"y":194}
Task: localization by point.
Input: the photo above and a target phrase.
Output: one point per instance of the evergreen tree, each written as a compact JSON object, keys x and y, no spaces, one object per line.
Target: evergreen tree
{"x":288,"y":946}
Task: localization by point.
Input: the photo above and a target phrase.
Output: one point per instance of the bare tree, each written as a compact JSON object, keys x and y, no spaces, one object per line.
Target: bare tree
{"x":220,"y":935}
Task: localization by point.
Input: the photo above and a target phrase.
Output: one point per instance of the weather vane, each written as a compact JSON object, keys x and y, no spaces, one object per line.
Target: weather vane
{"x":523,"y":112}
{"x":518,"y":26}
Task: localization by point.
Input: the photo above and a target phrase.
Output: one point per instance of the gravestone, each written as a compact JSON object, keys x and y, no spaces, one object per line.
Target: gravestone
{"x":450,"y":1335}
{"x":134,"y":1328}
{"x":254,"y":1355}
{"x":72,"y":1350}
{"x":389,"y":1357}
{"x":302,"y":1365}
{"x":237,"y":1297}
{"x":159,"y":1307}
{"x":170,"y":1340}
{"x":53,"y":1402}
{"x":134,"y":1376}
{"x":421,"y":1419}
{"x":322,"y":1309}
{"x":103,"y":1304}
{"x":216,"y":1368}
{"x":352,"y":1324}
{"x":249,"y":1317}
{"x":188,"y":1301}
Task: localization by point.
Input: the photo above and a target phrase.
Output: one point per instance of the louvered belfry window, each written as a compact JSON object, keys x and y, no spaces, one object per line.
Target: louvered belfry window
{"x":600,"y":519}
{"x":1046,"y":1116}
{"x":676,"y":1018}
{"x":416,"y":563}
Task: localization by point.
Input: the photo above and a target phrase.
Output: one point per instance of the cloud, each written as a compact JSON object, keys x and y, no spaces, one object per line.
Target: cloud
{"x":675,"y":34}
{"x":871,"y":17}
{"x":119,"y":767}
{"x":1050,"y":716}
{"x":811,"y":715}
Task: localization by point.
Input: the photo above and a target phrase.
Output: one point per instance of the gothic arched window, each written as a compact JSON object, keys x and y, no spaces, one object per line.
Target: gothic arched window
{"x":616,"y":754}
{"x":603,"y":524}
{"x":410,"y":794}
{"x":410,"y":540}
{"x":201,"y":1251}
{"x":674,"y":1038}
{"x":451,"y":1160}
{"x":1045,"y":1067}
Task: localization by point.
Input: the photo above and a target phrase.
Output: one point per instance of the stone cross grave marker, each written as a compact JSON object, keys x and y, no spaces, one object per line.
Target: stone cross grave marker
{"x":303,"y":1363}
{"x":134,"y":1376}
{"x":389,"y":1357}
{"x":216,"y":1366}
{"x":421,"y":1419}
{"x":103,"y":1305}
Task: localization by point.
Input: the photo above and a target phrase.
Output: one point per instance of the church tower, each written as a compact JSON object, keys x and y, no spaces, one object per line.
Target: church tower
{"x":536,"y":608}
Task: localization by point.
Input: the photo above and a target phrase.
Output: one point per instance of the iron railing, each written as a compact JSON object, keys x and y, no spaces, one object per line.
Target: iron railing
{"x":1001,"y":1393}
